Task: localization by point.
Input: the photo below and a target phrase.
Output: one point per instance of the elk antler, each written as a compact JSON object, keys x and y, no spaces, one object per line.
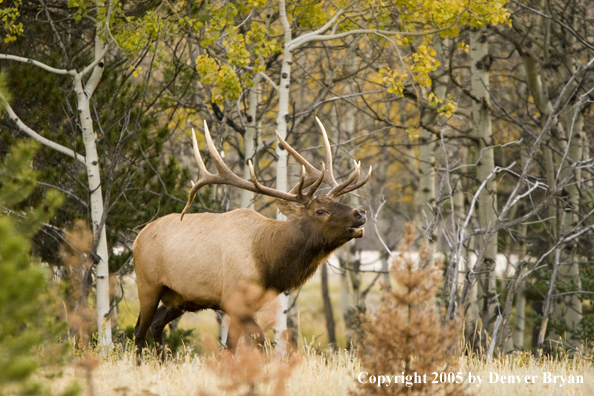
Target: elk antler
{"x":313,"y":174}
{"x":226,"y":176}
{"x":310,"y":176}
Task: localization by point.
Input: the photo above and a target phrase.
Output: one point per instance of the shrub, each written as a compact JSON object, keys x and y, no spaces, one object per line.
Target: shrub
{"x":408,"y":334}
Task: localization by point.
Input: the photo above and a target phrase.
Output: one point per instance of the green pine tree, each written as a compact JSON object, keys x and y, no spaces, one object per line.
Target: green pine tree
{"x":29,"y":329}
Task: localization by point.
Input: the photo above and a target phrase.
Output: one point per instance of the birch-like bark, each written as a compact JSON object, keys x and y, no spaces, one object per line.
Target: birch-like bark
{"x":83,"y":95}
{"x":518,"y":338}
{"x":425,"y":194}
{"x":249,"y":138}
{"x":548,"y":303}
{"x":346,"y":298}
{"x":568,"y":137}
{"x":569,"y":307}
{"x":460,"y":210}
{"x":281,"y":165}
{"x":84,"y":92}
{"x":487,"y":207}
{"x":328,"y":311}
{"x":545,"y":108}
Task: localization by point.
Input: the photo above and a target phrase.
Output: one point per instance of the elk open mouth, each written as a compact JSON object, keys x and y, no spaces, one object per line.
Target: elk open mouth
{"x":357,"y":230}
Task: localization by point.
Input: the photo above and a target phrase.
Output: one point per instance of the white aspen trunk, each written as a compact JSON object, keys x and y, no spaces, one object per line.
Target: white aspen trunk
{"x":472,"y":315}
{"x":487,"y":206}
{"x":545,"y":107}
{"x":572,"y":143}
{"x":96,"y":196}
{"x":471,"y":321}
{"x":96,"y":207}
{"x":518,"y":337}
{"x":517,"y":341}
{"x":249,"y":139}
{"x":224,"y":330}
{"x":568,"y":139}
{"x":281,"y":165}
{"x":425,"y":194}
{"x":569,"y":308}
{"x":345,"y":293}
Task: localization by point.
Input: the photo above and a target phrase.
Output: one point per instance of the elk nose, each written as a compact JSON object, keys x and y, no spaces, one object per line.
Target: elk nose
{"x":360,"y":215}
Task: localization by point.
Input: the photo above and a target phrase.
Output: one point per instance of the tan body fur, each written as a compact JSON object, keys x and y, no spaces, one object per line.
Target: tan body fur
{"x":203,"y":261}
{"x":207,"y":260}
{"x":207,"y":275}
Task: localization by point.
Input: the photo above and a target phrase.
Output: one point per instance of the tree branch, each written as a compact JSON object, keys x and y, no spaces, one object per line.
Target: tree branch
{"x":97,"y":72}
{"x":38,"y":64}
{"x":46,"y":142}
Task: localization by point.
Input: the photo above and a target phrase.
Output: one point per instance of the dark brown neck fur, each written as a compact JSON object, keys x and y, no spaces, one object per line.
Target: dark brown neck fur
{"x":290,"y":253}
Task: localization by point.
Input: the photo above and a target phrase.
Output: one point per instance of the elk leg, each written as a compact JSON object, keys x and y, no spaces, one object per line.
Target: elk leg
{"x":247,"y":325}
{"x":255,"y":331}
{"x":163,"y":316}
{"x":148,"y":306}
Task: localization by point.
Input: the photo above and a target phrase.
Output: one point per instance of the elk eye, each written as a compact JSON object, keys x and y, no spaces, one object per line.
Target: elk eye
{"x":321,"y":212}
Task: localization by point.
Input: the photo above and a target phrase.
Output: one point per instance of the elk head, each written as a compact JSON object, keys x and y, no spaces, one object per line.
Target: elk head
{"x":333,"y":220}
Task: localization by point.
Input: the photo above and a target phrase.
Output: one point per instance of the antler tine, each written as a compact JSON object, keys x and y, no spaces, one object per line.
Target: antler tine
{"x":314,"y":187}
{"x":355,"y":185}
{"x":329,"y":170}
{"x":253,"y":175}
{"x":287,"y":196}
{"x":225,"y":175}
{"x":312,"y":172}
{"x":197,"y":155}
{"x":301,"y":183}
{"x":216,"y":157}
{"x":273,"y":192}
{"x":355,"y":176}
{"x":205,"y":175}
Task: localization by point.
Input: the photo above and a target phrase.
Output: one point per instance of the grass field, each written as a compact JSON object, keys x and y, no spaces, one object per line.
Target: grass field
{"x":313,"y":373}
{"x":314,"y":370}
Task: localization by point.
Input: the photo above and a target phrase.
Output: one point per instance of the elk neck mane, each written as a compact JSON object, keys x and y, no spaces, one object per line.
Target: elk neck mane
{"x":289,"y":253}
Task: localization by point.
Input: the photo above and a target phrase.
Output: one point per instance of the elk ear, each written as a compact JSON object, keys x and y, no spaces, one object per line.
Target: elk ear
{"x":288,"y":209}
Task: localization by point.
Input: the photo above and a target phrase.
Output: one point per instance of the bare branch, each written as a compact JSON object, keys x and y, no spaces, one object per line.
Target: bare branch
{"x":46,"y":142}
{"x":38,"y":64}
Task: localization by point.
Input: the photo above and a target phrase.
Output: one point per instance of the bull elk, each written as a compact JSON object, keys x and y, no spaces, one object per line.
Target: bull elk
{"x":202,"y":261}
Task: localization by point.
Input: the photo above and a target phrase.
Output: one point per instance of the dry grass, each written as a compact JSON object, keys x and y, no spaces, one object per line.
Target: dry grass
{"x":312,"y":373}
{"x":523,"y":365}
